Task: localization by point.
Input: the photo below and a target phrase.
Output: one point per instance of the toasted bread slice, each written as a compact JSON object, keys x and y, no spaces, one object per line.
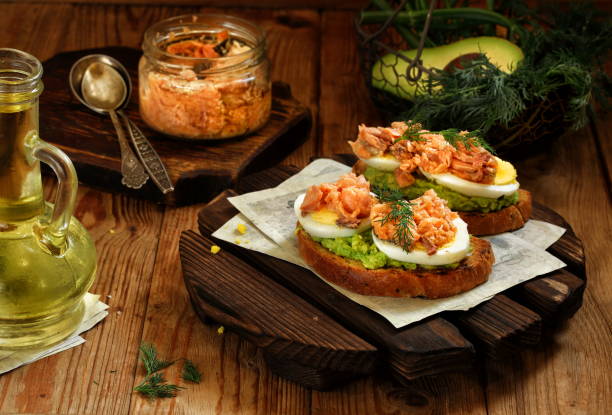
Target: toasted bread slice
{"x":507,"y":219}
{"x":398,"y":282}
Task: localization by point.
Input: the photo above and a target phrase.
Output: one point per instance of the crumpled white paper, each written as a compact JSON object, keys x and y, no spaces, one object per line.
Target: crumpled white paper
{"x":270,"y":221}
{"x":95,"y":311}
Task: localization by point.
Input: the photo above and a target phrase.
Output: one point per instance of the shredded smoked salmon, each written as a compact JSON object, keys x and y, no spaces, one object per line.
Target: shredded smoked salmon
{"x":474,"y":164}
{"x":349,"y":198}
{"x":431,"y":152}
{"x":193,"y":49}
{"x":199,"y":48}
{"x":432,"y":227}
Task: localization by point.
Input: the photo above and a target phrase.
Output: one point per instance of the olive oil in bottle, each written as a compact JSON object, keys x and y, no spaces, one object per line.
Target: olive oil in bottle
{"x":47,"y":259}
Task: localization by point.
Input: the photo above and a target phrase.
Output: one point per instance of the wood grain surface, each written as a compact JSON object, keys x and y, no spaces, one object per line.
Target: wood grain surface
{"x":139,"y":264}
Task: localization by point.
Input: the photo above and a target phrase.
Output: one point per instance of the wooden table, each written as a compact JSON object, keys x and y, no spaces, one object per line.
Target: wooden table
{"x":140,"y":278}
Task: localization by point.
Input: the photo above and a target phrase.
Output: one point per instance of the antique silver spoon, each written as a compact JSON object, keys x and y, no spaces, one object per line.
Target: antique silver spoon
{"x":104,"y":90}
{"x":149,"y":157}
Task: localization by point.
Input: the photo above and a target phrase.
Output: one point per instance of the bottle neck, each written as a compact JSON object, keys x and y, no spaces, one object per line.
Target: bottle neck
{"x":21,"y":194}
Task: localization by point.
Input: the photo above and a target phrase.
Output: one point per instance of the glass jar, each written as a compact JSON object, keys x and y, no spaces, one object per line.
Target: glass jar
{"x":195,"y":97}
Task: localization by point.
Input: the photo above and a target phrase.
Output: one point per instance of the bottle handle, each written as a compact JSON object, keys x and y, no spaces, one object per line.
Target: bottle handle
{"x":53,"y":234}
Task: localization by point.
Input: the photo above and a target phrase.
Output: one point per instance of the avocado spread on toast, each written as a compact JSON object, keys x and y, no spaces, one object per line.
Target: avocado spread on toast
{"x":361,"y":247}
{"x":456,"y":201}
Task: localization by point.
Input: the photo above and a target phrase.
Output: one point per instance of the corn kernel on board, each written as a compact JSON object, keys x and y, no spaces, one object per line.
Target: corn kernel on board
{"x":198,"y":170}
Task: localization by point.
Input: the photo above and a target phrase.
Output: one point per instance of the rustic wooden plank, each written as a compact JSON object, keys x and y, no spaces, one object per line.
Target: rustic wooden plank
{"x":569,"y":247}
{"x":567,"y":178}
{"x":344,"y":101}
{"x":566,"y":374}
{"x":293,"y":48}
{"x":318,"y":352}
{"x":448,"y":394}
{"x":501,"y":326}
{"x":570,"y":179}
{"x":600,"y":129}
{"x":555,"y":296}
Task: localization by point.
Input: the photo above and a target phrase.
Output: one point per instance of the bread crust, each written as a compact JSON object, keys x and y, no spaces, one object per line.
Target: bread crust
{"x":507,"y":219}
{"x":398,"y":282}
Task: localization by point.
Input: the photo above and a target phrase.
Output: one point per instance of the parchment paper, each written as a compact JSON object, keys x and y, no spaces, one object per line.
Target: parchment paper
{"x":270,"y":221}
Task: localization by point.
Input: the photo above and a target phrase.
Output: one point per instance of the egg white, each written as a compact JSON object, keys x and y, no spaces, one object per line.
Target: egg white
{"x":465,"y":187}
{"x":383,"y":163}
{"x":450,"y":253}
{"x":324,"y":230}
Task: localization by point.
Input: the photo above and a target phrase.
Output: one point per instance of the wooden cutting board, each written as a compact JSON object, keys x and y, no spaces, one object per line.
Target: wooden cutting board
{"x":307,"y":329}
{"x":199,"y":170}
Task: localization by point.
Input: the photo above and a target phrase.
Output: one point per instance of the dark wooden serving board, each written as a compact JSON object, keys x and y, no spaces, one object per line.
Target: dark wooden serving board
{"x":199,"y":170}
{"x":308,"y":330}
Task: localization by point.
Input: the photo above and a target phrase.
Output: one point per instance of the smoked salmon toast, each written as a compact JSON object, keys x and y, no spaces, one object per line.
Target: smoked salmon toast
{"x":383,"y":245}
{"x":458,"y":165}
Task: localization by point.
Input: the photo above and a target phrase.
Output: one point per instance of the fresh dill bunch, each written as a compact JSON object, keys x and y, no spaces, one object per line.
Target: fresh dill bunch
{"x":474,"y":97}
{"x":400,"y":215}
{"x":155,"y":386}
{"x":148,"y":356}
{"x":190,"y":372}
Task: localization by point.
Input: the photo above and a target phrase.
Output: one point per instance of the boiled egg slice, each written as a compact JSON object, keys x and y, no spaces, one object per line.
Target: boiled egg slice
{"x":386,"y":162}
{"x":322,"y":223}
{"x":465,"y":187}
{"x":450,"y":253}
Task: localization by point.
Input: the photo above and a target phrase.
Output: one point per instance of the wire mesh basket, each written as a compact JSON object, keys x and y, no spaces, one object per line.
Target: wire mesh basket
{"x":540,"y":121}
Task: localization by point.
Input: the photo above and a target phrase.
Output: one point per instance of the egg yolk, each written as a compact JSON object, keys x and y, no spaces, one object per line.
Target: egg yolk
{"x":325,"y":216}
{"x":506,"y":173}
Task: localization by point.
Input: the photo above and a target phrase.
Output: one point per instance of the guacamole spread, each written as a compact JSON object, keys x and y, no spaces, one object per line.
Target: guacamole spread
{"x":456,"y":201}
{"x":361,"y":247}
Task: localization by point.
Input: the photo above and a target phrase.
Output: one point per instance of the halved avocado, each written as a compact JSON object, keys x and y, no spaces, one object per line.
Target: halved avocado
{"x":501,"y":52}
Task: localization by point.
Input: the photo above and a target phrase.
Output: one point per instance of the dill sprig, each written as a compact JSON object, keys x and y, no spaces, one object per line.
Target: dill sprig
{"x":190,"y":372}
{"x":155,"y":386}
{"x":148,"y":356}
{"x":412,"y":132}
{"x":453,"y":136}
{"x":471,"y":138}
{"x":400,"y":215}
